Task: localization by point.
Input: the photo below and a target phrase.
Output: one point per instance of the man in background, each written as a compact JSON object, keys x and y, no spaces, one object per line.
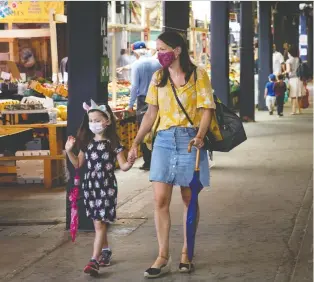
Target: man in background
{"x":141,"y":75}
{"x":278,"y":59}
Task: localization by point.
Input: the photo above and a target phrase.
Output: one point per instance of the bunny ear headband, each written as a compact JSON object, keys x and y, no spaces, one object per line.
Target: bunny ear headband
{"x":94,"y":106}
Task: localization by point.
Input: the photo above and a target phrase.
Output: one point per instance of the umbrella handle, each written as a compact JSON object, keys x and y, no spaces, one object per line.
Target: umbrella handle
{"x":197,"y":162}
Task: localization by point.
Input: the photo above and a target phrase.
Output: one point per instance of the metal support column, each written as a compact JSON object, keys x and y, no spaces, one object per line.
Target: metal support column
{"x":88,"y":72}
{"x":247,"y":108}
{"x":310,"y":42}
{"x":219,"y":28}
{"x":293,"y":30}
{"x":279,"y":32}
{"x":176,"y":16}
{"x":265,"y":51}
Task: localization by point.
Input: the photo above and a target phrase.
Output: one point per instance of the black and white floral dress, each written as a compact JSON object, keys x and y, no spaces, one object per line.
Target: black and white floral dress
{"x":99,"y":183}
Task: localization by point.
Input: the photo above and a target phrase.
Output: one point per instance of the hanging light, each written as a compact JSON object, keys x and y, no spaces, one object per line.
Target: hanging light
{"x":293,"y":21}
{"x":275,"y":11}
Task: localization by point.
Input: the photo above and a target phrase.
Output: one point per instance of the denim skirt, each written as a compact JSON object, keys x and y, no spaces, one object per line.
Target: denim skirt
{"x":172,"y":163}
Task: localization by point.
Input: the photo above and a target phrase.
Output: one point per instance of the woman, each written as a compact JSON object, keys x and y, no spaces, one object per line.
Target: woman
{"x":295,"y":84}
{"x":171,"y":164}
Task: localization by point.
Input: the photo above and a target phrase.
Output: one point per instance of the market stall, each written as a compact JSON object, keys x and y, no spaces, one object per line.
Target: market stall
{"x":39,"y":106}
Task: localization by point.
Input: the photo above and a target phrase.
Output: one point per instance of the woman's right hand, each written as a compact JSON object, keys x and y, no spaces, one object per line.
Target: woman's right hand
{"x":132,"y":155}
{"x":69,"y":144}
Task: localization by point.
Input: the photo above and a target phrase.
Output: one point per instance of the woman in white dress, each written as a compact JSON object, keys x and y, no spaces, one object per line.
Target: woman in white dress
{"x":295,"y":84}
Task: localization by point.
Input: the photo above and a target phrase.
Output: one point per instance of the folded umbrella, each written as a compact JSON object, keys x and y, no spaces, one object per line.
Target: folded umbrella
{"x":191,"y":220}
{"x":74,"y":196}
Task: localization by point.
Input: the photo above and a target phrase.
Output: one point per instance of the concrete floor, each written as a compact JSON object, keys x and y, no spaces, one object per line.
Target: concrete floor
{"x":256,"y":219}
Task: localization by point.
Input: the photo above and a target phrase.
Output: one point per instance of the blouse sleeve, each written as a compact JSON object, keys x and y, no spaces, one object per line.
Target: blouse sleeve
{"x":152,"y":93}
{"x":205,"y":98}
{"x":119,"y":149}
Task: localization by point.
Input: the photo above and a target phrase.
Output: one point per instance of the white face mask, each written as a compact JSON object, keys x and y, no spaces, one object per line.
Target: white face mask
{"x":96,"y":127}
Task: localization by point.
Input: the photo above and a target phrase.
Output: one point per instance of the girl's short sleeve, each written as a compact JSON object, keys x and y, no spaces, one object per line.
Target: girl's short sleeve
{"x":119,"y":149}
{"x":152,"y":93}
{"x":204,"y":98}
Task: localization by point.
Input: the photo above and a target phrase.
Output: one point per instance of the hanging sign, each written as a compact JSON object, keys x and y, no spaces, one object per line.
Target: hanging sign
{"x":29,"y":11}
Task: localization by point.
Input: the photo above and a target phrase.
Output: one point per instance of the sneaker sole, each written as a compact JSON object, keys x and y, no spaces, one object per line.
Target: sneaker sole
{"x":91,"y":271}
{"x":105,"y":265}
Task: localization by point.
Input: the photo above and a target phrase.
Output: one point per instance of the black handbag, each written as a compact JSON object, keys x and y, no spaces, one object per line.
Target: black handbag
{"x":230,"y":126}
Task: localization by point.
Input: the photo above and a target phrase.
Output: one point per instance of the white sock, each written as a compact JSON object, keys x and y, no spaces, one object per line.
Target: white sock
{"x":106,"y":249}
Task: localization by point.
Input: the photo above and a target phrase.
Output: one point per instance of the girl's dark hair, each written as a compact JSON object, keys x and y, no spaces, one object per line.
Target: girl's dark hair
{"x":294,"y":52}
{"x":174,"y":40}
{"x":85,"y":136}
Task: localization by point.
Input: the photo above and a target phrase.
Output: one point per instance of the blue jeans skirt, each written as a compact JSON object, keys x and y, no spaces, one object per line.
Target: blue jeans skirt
{"x":171,"y":163}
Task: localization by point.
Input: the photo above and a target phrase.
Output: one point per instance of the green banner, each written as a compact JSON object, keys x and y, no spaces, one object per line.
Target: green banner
{"x":104,"y":69}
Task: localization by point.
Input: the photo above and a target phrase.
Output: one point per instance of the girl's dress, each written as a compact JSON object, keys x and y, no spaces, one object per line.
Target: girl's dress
{"x":99,"y":183}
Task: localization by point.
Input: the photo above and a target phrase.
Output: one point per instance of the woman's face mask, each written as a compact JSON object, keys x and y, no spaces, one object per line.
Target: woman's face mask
{"x":96,"y":127}
{"x":166,"y":59}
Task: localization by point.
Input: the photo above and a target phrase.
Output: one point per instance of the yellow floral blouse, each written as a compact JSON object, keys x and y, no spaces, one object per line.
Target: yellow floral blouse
{"x":193,"y":97}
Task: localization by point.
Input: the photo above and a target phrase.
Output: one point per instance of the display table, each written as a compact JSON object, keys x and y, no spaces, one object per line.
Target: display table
{"x":52,"y":167}
{"x":126,"y":129}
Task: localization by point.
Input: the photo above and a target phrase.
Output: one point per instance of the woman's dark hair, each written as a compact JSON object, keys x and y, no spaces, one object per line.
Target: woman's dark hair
{"x":84,"y":135}
{"x":122,"y":52}
{"x":294,"y":52}
{"x":280,"y":77}
{"x":174,"y":40}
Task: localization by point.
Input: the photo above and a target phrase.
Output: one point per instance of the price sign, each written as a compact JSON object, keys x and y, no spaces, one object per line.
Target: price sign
{"x":5,"y":75}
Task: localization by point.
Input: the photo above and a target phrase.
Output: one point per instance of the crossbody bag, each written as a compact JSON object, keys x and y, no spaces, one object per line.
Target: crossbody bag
{"x":208,"y":137}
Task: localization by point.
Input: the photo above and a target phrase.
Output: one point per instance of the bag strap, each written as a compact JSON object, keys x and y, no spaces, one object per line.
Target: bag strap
{"x":178,"y":100}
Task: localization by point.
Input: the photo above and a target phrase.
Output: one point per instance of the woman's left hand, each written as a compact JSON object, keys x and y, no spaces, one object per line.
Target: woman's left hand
{"x":198,"y":142}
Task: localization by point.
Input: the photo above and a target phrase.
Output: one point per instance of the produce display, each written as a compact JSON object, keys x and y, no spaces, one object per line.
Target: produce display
{"x":24,"y":106}
{"x":48,"y":89}
{"x":123,"y":87}
{"x":62,"y":113}
{"x":7,"y":102}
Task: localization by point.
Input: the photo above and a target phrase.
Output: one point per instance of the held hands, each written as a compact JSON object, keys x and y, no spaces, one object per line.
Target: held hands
{"x":132,"y":155}
{"x":130,"y":163}
{"x":69,"y":144}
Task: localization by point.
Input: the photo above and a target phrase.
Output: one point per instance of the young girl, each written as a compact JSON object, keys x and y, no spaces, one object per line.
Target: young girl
{"x":99,"y":147}
{"x":280,"y":89}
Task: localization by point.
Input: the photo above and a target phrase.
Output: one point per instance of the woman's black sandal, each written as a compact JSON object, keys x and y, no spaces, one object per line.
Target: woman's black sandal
{"x":186,"y":267}
{"x":157,"y":272}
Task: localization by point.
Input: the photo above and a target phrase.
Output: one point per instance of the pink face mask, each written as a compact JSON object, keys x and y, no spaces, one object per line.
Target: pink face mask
{"x":166,"y":59}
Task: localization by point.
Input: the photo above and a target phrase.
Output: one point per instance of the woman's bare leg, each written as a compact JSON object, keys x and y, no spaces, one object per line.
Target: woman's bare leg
{"x":186,"y":198}
{"x":299,"y":102}
{"x":162,"y":195}
{"x":293,"y":102}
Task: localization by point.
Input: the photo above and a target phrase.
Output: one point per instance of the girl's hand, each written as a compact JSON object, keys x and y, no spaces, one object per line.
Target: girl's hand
{"x":132,"y":155}
{"x":129,"y":164}
{"x":198,"y":142}
{"x":69,"y":144}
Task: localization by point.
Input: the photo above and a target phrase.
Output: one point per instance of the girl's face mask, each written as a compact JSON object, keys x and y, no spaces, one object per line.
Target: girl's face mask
{"x":96,"y":127}
{"x":166,"y":59}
